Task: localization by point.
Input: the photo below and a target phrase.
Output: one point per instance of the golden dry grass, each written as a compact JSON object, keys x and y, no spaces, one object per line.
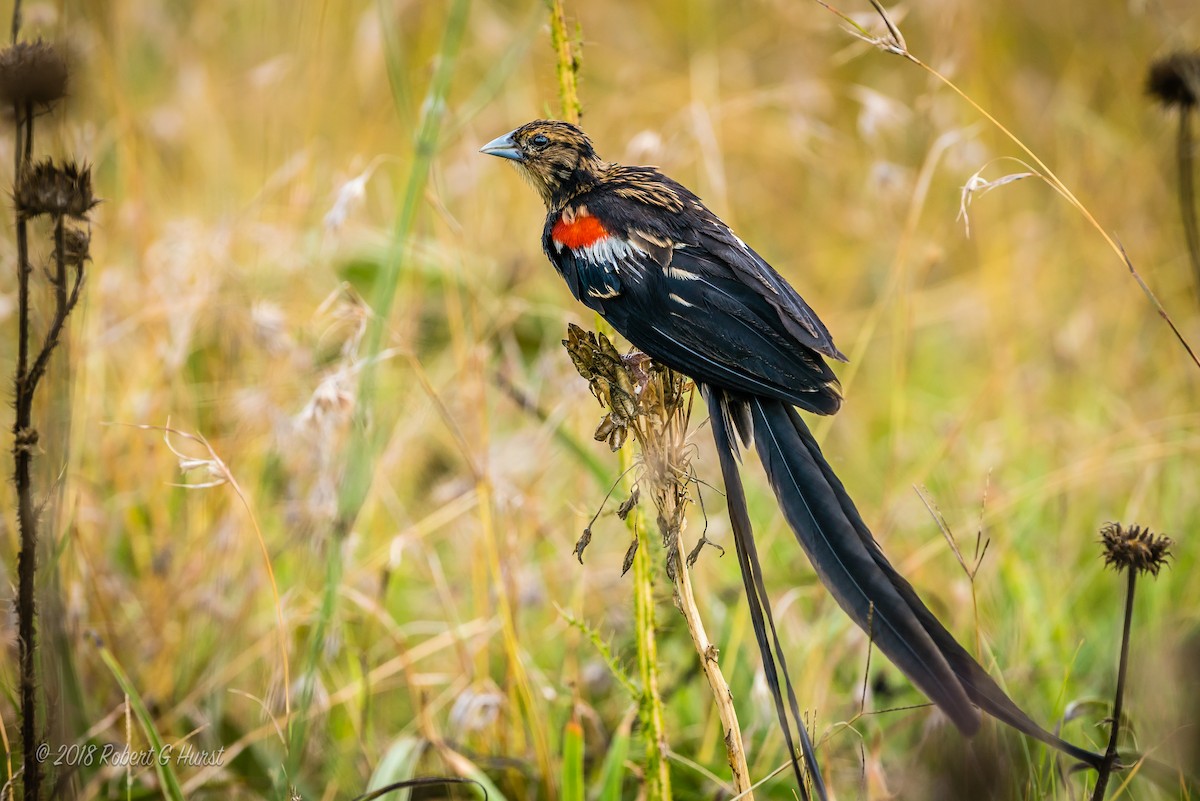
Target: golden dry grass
{"x":1018,"y":375}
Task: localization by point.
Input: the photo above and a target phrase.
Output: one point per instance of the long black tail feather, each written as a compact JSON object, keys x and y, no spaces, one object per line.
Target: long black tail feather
{"x":723,"y":418}
{"x":851,"y":564}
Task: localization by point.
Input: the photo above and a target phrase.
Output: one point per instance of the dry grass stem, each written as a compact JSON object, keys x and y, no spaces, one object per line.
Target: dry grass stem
{"x":709,"y":654}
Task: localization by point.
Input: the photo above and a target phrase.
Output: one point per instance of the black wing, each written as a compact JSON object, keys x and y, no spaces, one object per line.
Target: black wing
{"x":685,"y":290}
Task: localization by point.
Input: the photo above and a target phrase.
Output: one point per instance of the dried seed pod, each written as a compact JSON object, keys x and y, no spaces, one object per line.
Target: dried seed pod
{"x":627,"y":505}
{"x":630,"y":552}
{"x":621,"y":397}
{"x":582,"y":544}
{"x":605,"y":429}
{"x":581,"y":347}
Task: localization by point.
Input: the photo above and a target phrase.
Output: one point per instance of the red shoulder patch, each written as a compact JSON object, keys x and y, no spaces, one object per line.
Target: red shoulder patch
{"x":579,"y":231}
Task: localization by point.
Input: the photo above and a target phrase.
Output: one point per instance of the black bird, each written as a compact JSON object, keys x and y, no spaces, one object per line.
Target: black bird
{"x":647,"y":255}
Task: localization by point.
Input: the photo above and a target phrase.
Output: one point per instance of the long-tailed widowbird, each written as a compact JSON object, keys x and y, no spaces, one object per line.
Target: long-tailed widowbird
{"x":647,"y":255}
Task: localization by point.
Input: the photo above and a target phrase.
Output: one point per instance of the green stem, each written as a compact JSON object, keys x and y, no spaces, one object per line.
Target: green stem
{"x":366,"y":440}
{"x":566,"y":63}
{"x":298,"y":723}
{"x":658,"y":776}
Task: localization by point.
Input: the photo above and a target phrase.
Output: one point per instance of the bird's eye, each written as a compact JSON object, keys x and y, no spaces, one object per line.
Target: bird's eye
{"x":540,"y":141}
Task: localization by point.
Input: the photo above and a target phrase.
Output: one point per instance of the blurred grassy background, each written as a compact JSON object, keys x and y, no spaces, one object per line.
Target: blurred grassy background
{"x":1017,"y":374}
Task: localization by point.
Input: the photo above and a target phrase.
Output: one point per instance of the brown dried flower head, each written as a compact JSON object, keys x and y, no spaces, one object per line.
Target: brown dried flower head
{"x":47,"y":188}
{"x":1134,"y":548}
{"x":599,"y":362}
{"x":32,"y":73}
{"x":642,"y":395}
{"x":76,"y":246}
{"x":1175,"y":80}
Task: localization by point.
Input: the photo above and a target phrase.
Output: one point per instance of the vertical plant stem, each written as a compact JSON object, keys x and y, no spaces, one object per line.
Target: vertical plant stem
{"x":730,"y":729}
{"x":26,"y":606}
{"x":658,"y":776}
{"x":297,"y":723}
{"x":22,"y":273}
{"x":60,"y":270}
{"x":1187,"y":191}
{"x":24,"y":442}
{"x":1110,"y":755}
{"x":567,"y":63}
{"x":366,"y":442}
{"x":28,"y":155}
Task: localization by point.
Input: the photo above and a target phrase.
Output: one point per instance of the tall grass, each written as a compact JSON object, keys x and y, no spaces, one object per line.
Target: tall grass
{"x":1015,"y":359}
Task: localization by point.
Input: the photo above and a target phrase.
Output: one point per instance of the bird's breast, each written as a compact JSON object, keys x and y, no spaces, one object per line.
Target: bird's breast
{"x":576,"y":229}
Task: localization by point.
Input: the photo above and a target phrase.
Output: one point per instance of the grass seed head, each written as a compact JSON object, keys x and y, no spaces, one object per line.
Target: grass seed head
{"x":1174,"y":80}
{"x":32,"y":73}
{"x":1134,"y":548}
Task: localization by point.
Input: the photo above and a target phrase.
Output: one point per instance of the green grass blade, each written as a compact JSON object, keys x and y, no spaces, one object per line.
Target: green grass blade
{"x":367,"y":441}
{"x":166,"y":774}
{"x":572,"y":761}
{"x":298,"y":725}
{"x":612,"y":771}
{"x":484,"y":788}
{"x":399,"y":764}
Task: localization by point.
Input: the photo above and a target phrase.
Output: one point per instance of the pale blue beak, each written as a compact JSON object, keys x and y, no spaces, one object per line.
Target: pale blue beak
{"x":505,"y":147}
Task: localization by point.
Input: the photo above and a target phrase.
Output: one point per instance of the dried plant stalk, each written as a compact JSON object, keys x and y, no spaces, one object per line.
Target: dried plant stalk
{"x":685,"y":599}
{"x":654,"y":404}
{"x":33,"y":77}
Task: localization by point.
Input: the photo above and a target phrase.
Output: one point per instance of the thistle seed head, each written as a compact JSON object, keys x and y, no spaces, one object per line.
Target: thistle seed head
{"x":46,"y":188}
{"x":1174,"y":80}
{"x":1134,"y":548}
{"x":76,"y":246}
{"x":32,"y":73}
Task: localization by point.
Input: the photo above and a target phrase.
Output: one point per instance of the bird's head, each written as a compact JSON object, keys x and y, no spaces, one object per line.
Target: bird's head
{"x":556,"y":157}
